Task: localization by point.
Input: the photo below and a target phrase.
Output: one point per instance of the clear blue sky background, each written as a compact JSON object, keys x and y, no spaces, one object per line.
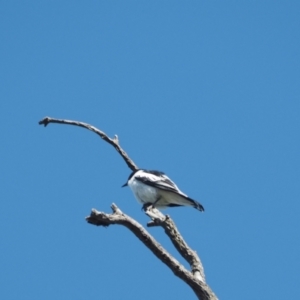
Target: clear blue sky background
{"x":206,"y":91}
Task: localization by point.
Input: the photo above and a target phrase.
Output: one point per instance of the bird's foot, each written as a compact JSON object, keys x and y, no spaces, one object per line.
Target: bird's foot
{"x":147,"y":206}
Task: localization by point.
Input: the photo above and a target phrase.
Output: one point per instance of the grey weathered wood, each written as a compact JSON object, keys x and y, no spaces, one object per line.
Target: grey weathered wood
{"x":193,"y":279}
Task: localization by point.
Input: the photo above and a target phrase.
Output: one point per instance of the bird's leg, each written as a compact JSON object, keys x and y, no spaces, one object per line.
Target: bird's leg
{"x":150,"y":205}
{"x":158,"y":198}
{"x":146,"y":206}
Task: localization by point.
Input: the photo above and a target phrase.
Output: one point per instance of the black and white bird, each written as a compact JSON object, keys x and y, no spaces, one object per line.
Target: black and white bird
{"x":157,"y":189}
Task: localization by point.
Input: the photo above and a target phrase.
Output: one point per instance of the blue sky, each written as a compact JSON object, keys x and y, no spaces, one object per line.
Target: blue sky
{"x":206,"y":91}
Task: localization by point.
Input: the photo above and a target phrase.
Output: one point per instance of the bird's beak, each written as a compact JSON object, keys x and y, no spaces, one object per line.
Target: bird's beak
{"x":124,"y":184}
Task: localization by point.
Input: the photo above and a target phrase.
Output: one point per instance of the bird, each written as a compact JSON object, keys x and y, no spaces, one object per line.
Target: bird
{"x":156,"y":189}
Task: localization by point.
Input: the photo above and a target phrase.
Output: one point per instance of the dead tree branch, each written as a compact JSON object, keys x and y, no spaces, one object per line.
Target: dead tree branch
{"x":196,"y":278}
{"x":193,"y":279}
{"x":114,"y":142}
{"x":179,"y":243}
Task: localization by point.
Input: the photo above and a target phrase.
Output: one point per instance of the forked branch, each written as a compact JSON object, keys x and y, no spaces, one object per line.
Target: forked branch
{"x":196,"y":278}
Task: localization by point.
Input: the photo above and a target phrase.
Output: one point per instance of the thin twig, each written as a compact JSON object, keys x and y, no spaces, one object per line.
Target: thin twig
{"x":114,"y":142}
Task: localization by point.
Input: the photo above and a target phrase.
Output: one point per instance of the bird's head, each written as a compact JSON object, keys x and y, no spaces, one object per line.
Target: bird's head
{"x":129,"y":177}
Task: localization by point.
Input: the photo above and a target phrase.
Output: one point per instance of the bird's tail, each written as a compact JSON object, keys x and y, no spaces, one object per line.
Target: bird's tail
{"x":175,"y":199}
{"x":185,"y":200}
{"x":193,"y":203}
{"x":197,"y":205}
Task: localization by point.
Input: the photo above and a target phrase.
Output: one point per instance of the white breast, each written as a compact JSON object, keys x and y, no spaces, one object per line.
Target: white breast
{"x":143,"y":193}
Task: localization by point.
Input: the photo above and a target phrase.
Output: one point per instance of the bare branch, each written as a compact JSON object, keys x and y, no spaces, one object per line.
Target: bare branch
{"x":114,"y":142}
{"x":179,"y":243}
{"x":200,"y":288}
{"x":195,"y":279}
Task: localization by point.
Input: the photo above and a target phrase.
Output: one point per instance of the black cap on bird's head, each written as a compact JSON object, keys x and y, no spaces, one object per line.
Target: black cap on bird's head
{"x":131,"y":174}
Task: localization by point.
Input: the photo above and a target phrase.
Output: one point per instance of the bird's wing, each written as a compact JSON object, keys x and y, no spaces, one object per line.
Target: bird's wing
{"x":159,"y":180}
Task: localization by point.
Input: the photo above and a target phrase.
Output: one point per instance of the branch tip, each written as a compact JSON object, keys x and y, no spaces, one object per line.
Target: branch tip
{"x":94,"y":211}
{"x":152,"y":224}
{"x":45,"y":121}
{"x":116,"y":139}
{"x":116,"y":209}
